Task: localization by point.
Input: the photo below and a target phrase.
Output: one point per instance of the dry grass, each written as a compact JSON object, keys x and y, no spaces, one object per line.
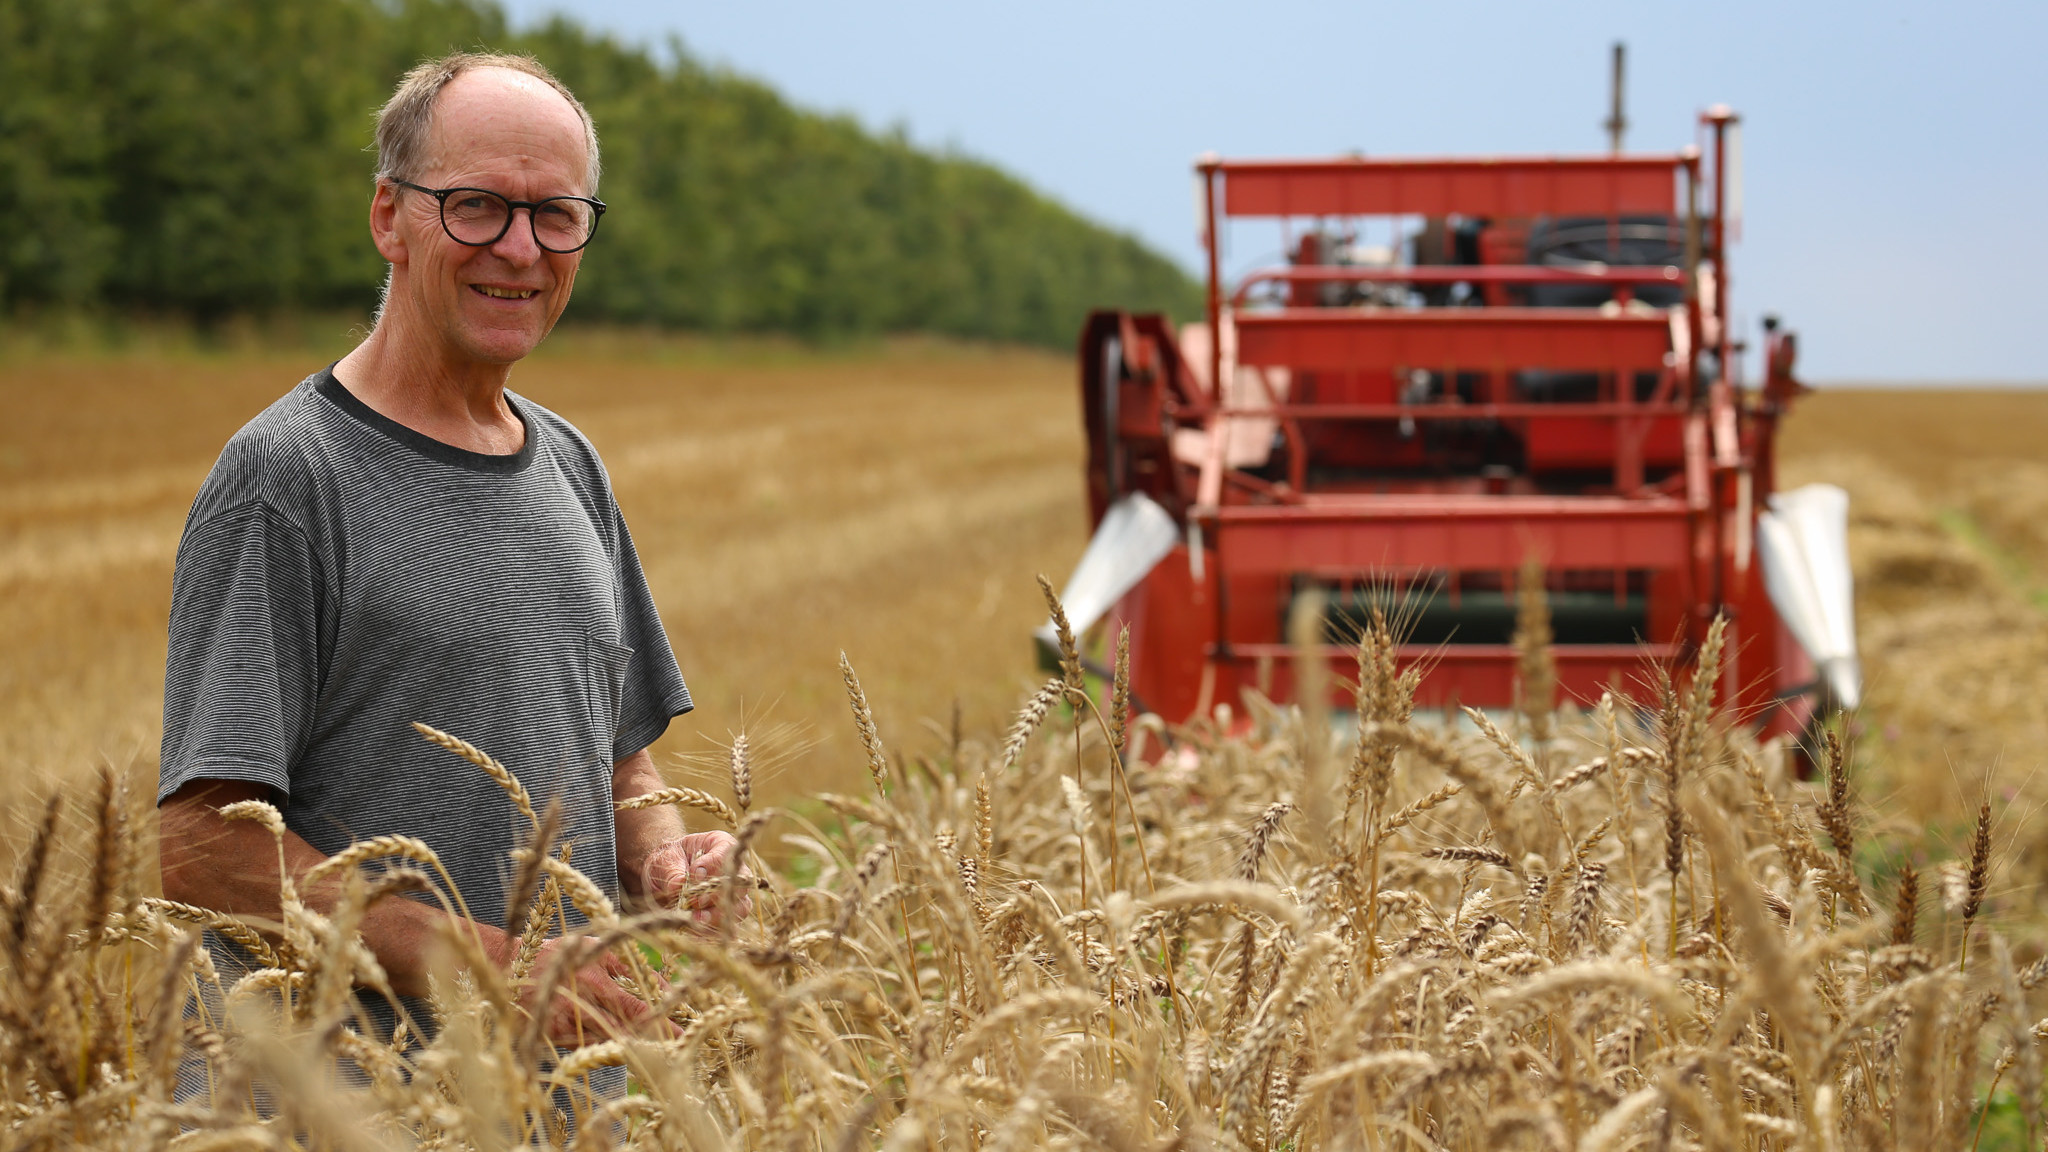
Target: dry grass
{"x":1628,"y":934}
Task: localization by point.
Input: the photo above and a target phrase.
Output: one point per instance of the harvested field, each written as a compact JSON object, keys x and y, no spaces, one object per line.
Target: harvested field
{"x":1949,"y":540}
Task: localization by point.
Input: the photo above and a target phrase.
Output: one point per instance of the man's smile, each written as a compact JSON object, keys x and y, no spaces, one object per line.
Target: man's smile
{"x":505,"y":293}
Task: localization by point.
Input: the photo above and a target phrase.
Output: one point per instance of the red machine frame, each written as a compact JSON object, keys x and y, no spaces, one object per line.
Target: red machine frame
{"x":1677,"y":476}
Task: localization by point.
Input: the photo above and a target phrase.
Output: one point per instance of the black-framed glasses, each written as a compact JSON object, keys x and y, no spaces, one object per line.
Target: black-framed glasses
{"x":479,"y":217}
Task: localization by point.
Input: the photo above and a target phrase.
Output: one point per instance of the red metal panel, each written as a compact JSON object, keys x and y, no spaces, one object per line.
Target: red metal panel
{"x":1472,"y":274}
{"x":1469,"y":338}
{"x":1601,"y":412}
{"x":1169,"y":617}
{"x":1570,"y":442}
{"x":1485,"y":675}
{"x":1482,"y":675}
{"x":1447,"y":532}
{"x":1591,"y":441}
{"x":1522,"y":186}
{"x":1509,"y":273}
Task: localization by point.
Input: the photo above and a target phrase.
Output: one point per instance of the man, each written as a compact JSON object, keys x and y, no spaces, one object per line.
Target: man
{"x":400,"y":539}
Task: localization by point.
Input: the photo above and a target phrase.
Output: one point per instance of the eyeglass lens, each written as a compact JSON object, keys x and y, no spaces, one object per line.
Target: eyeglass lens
{"x":474,"y":216}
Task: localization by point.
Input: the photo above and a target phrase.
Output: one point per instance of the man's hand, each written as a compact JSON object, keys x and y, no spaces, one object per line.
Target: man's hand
{"x":660,"y":863}
{"x":693,"y":859}
{"x":591,"y":1007}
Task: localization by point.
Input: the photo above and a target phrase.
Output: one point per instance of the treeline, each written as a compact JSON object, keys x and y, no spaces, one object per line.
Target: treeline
{"x":210,"y":157}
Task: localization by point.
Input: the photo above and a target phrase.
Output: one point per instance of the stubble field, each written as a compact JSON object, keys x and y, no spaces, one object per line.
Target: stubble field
{"x":1949,"y":542}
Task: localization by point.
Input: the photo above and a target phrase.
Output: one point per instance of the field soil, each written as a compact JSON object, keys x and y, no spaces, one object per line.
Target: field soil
{"x":894,"y":502}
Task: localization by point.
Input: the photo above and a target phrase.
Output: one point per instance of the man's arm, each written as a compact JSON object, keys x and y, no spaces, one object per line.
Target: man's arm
{"x":657,"y":858}
{"x":232,"y":866}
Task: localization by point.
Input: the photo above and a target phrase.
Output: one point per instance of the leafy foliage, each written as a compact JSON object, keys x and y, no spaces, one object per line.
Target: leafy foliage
{"x":212,"y":156}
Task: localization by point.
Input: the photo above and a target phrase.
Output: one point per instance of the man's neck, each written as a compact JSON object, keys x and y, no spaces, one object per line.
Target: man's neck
{"x":457,"y":403}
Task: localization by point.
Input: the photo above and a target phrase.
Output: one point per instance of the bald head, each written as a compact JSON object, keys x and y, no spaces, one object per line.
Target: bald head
{"x":439,"y":98}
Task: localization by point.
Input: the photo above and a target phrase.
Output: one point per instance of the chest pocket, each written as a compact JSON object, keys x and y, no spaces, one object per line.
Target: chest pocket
{"x":605,"y":686}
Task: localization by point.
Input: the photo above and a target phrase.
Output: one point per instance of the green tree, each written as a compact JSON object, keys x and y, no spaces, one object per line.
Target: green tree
{"x":209,"y":156}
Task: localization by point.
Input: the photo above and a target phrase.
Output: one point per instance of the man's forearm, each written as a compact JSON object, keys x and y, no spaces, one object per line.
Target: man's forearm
{"x":232,"y":866}
{"x":640,"y":833}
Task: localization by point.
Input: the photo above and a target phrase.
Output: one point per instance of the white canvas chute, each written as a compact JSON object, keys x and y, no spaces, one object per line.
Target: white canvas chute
{"x":1803,"y":541}
{"x":1247,"y":440}
{"x":1134,"y":536}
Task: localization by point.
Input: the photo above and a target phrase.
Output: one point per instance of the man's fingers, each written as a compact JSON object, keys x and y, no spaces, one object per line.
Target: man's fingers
{"x":660,"y":985}
{"x":618,"y":966}
{"x":623,"y":1007}
{"x":637,"y":1014}
{"x":667,"y":874}
{"x":591,"y":1006}
{"x":597,"y":1010}
{"x":575,"y":1020}
{"x":621,"y":1003}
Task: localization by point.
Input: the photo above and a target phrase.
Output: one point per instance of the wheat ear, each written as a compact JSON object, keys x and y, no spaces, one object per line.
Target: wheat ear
{"x":864,"y":722}
{"x":497,"y":772}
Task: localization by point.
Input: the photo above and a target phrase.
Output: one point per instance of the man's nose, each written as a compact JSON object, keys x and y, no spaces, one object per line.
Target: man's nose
{"x":518,"y":243}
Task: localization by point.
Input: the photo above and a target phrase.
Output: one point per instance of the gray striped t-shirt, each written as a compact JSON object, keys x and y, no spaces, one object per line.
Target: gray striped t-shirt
{"x":341,"y":576}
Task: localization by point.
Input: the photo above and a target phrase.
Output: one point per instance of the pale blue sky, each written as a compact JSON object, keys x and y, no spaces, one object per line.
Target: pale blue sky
{"x":1894,"y":154}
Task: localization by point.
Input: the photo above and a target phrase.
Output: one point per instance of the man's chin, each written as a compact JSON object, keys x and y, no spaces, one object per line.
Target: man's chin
{"x":501,"y":346}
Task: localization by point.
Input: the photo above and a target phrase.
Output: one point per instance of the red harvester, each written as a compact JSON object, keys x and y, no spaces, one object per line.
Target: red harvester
{"x":1540,"y":365}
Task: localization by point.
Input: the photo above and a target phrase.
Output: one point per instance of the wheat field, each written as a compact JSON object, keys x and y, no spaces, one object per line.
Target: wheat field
{"x":894,"y":502}
{"x":891,"y":501}
{"x":1588,"y":931}
{"x":1057,"y":925}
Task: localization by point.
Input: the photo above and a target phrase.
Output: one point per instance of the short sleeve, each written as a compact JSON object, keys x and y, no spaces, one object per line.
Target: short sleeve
{"x":654,"y":691}
{"x":243,"y":667}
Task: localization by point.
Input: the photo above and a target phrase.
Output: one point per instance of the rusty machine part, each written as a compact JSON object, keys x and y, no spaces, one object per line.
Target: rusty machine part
{"x":1543,"y":367}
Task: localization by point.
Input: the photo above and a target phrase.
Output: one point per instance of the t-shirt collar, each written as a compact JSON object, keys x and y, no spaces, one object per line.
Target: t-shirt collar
{"x":326,"y":385}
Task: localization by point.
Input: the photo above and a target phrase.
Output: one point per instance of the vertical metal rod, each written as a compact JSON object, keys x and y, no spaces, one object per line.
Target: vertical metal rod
{"x":1720,"y":115}
{"x":1693,"y":307}
{"x":1215,"y":301}
{"x":1692,"y":227}
{"x":1617,"y":123}
{"x":1721,"y":234}
{"x":1217,"y":424}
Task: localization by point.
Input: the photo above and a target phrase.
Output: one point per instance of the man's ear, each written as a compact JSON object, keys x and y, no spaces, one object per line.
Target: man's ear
{"x":384,"y":224}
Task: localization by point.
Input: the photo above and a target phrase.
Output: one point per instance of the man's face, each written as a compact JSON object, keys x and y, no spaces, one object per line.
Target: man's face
{"x":508,"y":133}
